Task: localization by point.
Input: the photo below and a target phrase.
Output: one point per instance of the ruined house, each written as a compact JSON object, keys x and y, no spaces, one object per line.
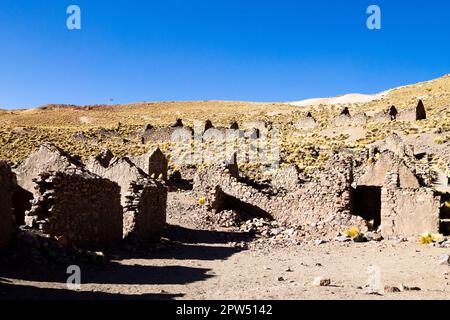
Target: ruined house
{"x":344,"y":118}
{"x":177,"y":124}
{"x":360,"y":119}
{"x":323,"y":204}
{"x":415,"y":114}
{"x":77,"y":208}
{"x":7,"y":189}
{"x":393,"y":112}
{"x":144,"y":199}
{"x":234,"y":126}
{"x":47,"y":158}
{"x":387,"y":194}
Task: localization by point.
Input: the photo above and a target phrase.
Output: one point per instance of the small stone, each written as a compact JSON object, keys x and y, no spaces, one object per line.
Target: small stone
{"x":406,"y":288}
{"x":444,"y":260}
{"x":391,"y":289}
{"x":321,"y":282}
{"x":281,"y":279}
{"x":359,"y":239}
{"x":318,"y":242}
{"x":342,"y":239}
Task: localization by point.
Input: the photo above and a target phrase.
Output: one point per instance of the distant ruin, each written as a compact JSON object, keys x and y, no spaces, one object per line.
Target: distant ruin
{"x":308,"y":122}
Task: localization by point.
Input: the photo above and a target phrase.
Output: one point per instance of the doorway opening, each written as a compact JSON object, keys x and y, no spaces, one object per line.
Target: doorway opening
{"x":367,"y":204}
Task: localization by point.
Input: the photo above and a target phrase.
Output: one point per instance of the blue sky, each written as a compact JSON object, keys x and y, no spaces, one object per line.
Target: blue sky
{"x":170,"y":50}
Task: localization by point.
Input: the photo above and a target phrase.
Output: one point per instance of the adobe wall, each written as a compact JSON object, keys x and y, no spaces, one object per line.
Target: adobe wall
{"x":145,"y":209}
{"x":7,"y":188}
{"x":77,"y":208}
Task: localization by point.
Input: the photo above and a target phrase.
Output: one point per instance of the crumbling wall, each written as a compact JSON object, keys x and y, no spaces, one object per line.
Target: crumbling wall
{"x":120,"y":170}
{"x":308,"y":122}
{"x":76,"y":208}
{"x":375,"y":173}
{"x":145,"y":209}
{"x":7,"y":188}
{"x":154,"y":163}
{"x":286,"y":177}
{"x":47,"y":158}
{"x":359,"y":119}
{"x":408,"y":212}
{"x":343,"y":120}
{"x":322,"y":205}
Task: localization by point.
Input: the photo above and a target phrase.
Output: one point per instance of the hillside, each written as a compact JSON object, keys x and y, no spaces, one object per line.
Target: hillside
{"x":87,"y":130}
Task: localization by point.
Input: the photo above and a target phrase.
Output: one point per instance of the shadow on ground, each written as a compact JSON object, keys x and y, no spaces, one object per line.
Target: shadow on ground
{"x":10,"y":291}
{"x":186,"y":244}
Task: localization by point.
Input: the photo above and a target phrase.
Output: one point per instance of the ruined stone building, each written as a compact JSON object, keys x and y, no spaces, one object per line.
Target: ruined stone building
{"x":308,"y":122}
{"x":111,"y":197}
{"x":386,"y":193}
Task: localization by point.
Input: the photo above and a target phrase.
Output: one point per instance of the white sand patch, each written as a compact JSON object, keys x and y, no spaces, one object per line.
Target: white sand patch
{"x":345,"y":99}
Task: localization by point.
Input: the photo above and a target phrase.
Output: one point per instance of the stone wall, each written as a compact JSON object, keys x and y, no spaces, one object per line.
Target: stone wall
{"x":286,"y":177}
{"x":47,"y":158}
{"x":77,"y":208}
{"x":145,"y":209}
{"x":120,"y":170}
{"x":306,"y":123}
{"x":375,"y":174}
{"x":154,"y":163}
{"x":322,"y":205}
{"x":408,"y":212}
{"x":7,"y":188}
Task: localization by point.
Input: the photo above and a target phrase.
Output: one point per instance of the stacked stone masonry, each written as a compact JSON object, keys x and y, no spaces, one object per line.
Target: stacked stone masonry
{"x":77,"y":208}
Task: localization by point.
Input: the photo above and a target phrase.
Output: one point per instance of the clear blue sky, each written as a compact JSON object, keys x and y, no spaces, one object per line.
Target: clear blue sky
{"x":277,"y":50}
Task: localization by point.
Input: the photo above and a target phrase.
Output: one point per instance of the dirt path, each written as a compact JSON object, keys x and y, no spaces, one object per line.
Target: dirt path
{"x":218,"y":271}
{"x":204,"y":263}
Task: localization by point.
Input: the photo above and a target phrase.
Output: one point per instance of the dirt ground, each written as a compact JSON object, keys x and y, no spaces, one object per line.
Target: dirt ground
{"x":204,"y":263}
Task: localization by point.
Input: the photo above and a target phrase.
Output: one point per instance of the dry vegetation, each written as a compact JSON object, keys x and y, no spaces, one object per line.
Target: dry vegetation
{"x":87,"y":130}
